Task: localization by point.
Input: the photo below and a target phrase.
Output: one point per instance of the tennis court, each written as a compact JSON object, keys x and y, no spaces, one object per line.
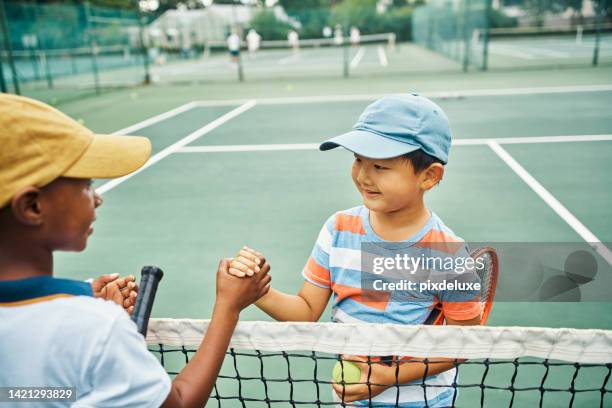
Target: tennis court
{"x":239,"y":165}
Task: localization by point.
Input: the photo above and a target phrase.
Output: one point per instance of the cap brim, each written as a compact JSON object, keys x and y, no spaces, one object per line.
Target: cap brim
{"x":110,"y":156}
{"x":369,"y":145}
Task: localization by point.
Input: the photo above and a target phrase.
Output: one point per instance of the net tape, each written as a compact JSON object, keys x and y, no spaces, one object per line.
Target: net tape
{"x":590,"y":346}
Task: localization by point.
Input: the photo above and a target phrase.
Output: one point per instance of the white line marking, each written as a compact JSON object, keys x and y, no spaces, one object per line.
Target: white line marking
{"x":552,"y":202}
{"x":435,"y":95}
{"x":534,"y":139}
{"x":156,"y":119}
{"x":504,"y":50}
{"x":249,"y":148}
{"x":287,"y":60}
{"x":179,"y":144}
{"x":382,"y":56}
{"x":358,"y":57}
{"x":456,"y":142}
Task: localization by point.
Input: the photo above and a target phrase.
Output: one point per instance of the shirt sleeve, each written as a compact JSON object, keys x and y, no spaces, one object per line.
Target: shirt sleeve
{"x":124,"y":373}
{"x":316,"y":270}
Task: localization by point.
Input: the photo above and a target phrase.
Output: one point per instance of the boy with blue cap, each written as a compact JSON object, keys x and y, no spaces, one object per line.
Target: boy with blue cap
{"x":401,"y":144}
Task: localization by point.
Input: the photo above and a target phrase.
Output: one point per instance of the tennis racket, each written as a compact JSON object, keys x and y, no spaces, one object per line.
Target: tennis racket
{"x":149,"y":280}
{"x":488,"y":275}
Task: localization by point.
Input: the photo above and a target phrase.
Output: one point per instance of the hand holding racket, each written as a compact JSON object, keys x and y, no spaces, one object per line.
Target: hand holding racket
{"x":487,"y":275}
{"x":149,"y":280}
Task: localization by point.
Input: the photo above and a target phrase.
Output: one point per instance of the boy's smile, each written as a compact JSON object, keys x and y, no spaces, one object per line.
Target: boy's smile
{"x":386,"y":185}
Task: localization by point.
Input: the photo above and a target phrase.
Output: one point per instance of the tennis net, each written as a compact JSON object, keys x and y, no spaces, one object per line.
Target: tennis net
{"x":290,"y":364}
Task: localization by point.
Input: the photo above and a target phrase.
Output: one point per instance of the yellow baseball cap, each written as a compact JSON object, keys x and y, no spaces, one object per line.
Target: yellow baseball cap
{"x":39,"y":144}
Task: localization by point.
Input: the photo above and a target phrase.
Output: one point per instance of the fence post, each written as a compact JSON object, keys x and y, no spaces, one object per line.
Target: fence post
{"x":143,"y":46}
{"x":598,"y":25}
{"x":466,"y":36}
{"x":8,"y":48}
{"x":2,"y":82}
{"x":94,"y":46}
{"x":485,"y":39}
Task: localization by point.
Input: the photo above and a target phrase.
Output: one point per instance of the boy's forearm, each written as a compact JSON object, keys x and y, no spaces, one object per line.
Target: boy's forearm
{"x":283,"y":307}
{"x":192,"y":387}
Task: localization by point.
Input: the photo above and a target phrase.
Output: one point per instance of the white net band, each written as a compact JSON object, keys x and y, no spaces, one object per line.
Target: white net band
{"x":466,"y":342}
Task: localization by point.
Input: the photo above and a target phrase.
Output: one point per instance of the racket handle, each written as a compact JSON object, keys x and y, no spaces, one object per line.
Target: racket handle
{"x":149,"y":280}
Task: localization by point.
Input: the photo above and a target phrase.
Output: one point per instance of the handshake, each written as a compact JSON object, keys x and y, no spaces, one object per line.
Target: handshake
{"x":236,"y":293}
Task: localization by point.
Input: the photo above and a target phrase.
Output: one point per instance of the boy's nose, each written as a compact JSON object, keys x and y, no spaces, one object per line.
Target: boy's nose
{"x":363,"y":177}
{"x":97,"y":200}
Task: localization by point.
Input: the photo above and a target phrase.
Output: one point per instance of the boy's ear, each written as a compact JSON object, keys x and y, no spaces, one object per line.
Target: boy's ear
{"x":432,"y":176}
{"x":26,"y":206}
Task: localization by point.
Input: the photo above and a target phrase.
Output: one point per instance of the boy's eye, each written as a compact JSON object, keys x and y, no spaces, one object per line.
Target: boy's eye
{"x":379,"y":167}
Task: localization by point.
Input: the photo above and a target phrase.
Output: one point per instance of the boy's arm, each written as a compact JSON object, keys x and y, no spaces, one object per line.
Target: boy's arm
{"x":407,"y":372}
{"x":192,"y":387}
{"x":307,"y":306}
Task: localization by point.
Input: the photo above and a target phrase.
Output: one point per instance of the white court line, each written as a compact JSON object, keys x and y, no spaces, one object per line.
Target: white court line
{"x":534,"y":139}
{"x":358,"y":57}
{"x":503,"y":50}
{"x":552,"y":202}
{"x":382,"y":56}
{"x":156,"y":119}
{"x":289,"y":59}
{"x":248,"y":148}
{"x":456,"y":142}
{"x":435,"y":95}
{"x":179,"y":144}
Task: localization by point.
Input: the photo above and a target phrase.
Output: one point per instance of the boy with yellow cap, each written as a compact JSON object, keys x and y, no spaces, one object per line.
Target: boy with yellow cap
{"x":54,"y":333}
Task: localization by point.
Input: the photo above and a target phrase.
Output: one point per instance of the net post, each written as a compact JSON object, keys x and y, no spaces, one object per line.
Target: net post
{"x":485,"y":37}
{"x":8,"y":47}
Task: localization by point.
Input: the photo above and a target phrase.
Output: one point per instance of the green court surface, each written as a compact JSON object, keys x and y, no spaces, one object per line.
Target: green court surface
{"x":250,"y":174}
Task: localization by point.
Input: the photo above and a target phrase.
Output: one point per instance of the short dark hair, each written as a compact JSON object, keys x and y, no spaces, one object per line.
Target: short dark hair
{"x":420,"y":160}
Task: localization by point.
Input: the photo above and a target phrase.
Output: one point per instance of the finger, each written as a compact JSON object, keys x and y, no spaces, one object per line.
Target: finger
{"x":237,"y":264}
{"x":249,"y":254}
{"x":265,"y":281}
{"x":121,"y":283}
{"x":101,"y":281}
{"x":125,"y":292}
{"x":224,"y":264}
{"x":130,"y":310}
{"x":236,"y":272}
{"x":265,"y":267}
{"x":264,"y":291}
{"x":246,"y":261}
{"x":240,"y":266}
{"x":130,"y":278}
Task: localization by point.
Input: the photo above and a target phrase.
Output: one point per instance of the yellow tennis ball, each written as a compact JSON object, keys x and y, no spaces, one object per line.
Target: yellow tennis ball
{"x":352,"y":372}
{"x":81,"y":121}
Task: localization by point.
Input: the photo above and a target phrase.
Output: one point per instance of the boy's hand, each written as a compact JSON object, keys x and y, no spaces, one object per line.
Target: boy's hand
{"x":381,"y":375}
{"x":235,"y":293}
{"x":246,"y":263}
{"x":122,"y":291}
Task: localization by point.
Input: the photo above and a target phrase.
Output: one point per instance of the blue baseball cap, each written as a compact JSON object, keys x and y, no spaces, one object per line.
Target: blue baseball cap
{"x":396,"y":125}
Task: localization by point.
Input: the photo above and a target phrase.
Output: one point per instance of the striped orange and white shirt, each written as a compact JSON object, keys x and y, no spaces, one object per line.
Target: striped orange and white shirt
{"x":336,"y":263}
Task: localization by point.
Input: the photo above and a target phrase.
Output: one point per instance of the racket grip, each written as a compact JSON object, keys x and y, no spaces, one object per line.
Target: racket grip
{"x":149,"y":280}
